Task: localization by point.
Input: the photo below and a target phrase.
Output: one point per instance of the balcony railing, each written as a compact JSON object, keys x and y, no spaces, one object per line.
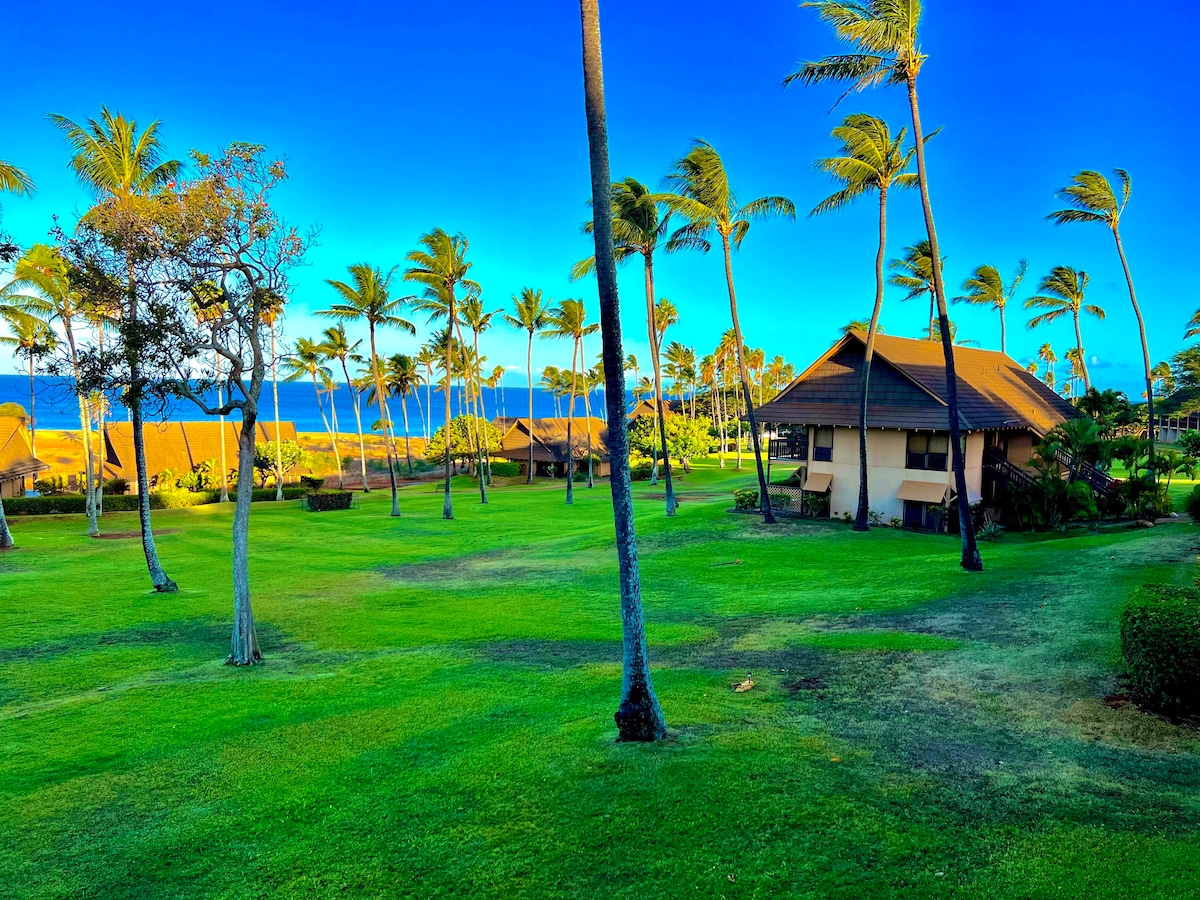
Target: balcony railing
{"x":792,"y":448}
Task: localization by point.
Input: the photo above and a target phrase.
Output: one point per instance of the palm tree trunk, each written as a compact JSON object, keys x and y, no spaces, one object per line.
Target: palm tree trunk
{"x":243,"y":644}
{"x":481,"y":426}
{"x":6,"y":538}
{"x":932,"y":308}
{"x":224,"y":498}
{"x":470,"y":386}
{"x":404,"y":413}
{"x":85,"y":425}
{"x":862,"y":517}
{"x":529,"y":368}
{"x":1087,"y":383}
{"x":328,"y":427}
{"x":388,"y":447}
{"x":587,"y":413}
{"x":1003,"y":344}
{"x":100,"y":421}
{"x":639,"y":716}
{"x":570,"y":423}
{"x":333,"y":433}
{"x":447,"y":502}
{"x":764,"y":494}
{"x":1137,"y":311}
{"x":971,"y":559}
{"x":32,"y":418}
{"x":278,"y":433}
{"x":660,"y":413}
{"x":362,"y":445}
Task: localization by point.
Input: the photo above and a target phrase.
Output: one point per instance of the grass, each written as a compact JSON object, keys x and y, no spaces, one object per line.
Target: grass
{"x":434,"y":715}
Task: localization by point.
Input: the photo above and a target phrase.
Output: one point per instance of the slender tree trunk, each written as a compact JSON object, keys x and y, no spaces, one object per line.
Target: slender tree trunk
{"x":224,"y":498}
{"x":362,"y":445}
{"x":404,"y":413}
{"x":6,"y":538}
{"x":278,"y":432}
{"x":243,"y":644}
{"x":570,"y":423}
{"x":32,"y":418}
{"x":470,"y":384}
{"x":1137,"y":311}
{"x":102,"y":415}
{"x":529,"y":368}
{"x":481,"y":443}
{"x":971,"y":559}
{"x":639,"y":717}
{"x":388,"y":446}
{"x":862,"y":517}
{"x":587,"y":413}
{"x":1087,"y":383}
{"x":333,"y":432}
{"x":932,"y":308}
{"x":483,"y":424}
{"x":328,"y":428}
{"x":85,"y":425}
{"x":1003,"y":335}
{"x":429,"y":402}
{"x":765,"y":496}
{"x":447,"y":503}
{"x":660,"y":411}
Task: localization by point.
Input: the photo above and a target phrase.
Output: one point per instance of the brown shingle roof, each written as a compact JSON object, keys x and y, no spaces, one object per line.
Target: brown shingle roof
{"x":550,"y":438}
{"x":16,"y":457}
{"x":180,"y":446}
{"x":908,"y":387}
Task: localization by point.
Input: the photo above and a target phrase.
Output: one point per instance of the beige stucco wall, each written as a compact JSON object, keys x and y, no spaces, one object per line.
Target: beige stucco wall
{"x":887,"y":451}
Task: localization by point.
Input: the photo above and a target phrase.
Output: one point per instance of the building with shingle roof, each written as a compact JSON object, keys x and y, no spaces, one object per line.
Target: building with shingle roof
{"x":1003,"y":412}
{"x":549,"y":440}
{"x":18,"y":466}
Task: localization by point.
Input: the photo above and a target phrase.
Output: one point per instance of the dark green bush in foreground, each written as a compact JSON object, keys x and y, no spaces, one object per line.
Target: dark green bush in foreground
{"x":323,"y":501}
{"x":1160,"y":640}
{"x":505,"y":468}
{"x":1191,"y":504}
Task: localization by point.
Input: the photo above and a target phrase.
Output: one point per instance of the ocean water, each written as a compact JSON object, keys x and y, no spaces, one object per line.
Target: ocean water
{"x":55,"y":405}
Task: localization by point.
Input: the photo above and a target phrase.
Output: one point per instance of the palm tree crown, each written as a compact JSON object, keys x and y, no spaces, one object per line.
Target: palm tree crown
{"x":368,"y":297}
{"x":1062,"y":293}
{"x":1093,"y":199}
{"x":871,"y":160}
{"x":985,"y":287}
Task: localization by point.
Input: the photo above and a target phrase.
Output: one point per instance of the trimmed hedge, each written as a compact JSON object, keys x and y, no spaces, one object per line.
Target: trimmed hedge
{"x":323,"y":501}
{"x":505,"y":468}
{"x":69,"y":504}
{"x":1160,"y":640}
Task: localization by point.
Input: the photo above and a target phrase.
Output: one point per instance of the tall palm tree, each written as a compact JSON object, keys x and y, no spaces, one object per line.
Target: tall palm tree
{"x":1062,"y":293}
{"x":367,"y":297}
{"x":496,"y":382}
{"x":699,"y":192}
{"x":914,"y":273}
{"x":121,"y":166}
{"x":985,"y":287}
{"x":883,"y":35}
{"x":639,"y":716}
{"x":272,"y":317}
{"x":43,"y":270}
{"x":402,"y":378}
{"x":31,"y":338}
{"x":441,"y":267}
{"x":335,"y":345}
{"x":478,"y":321}
{"x":427,"y":358}
{"x":871,"y":160}
{"x":637,"y":230}
{"x":530,"y":313}
{"x":308,"y":360}
{"x":1047,"y":355}
{"x":569,"y":320}
{"x":1092,"y":199}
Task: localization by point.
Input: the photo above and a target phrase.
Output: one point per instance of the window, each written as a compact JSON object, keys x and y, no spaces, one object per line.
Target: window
{"x":927,"y":516}
{"x":823,"y":445}
{"x":927,"y":451}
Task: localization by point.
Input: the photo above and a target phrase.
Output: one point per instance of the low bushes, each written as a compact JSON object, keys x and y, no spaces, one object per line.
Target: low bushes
{"x":1160,"y":640}
{"x":67,"y":504}
{"x":505,"y":468}
{"x":1191,"y":504}
{"x":324,"y":501}
{"x":745,"y":499}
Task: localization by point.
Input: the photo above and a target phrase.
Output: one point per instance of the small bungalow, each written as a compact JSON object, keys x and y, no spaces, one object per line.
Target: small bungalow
{"x":18,"y":466}
{"x":645,"y":407}
{"x":549,"y":440}
{"x":181,"y":446}
{"x":1003,"y":412}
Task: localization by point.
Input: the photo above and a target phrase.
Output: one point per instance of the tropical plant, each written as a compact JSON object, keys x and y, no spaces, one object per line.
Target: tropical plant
{"x":883,"y":36}
{"x":402,"y":377}
{"x":871,"y":161}
{"x":122,"y":167}
{"x":479,"y":321}
{"x":985,"y":287}
{"x":441,"y":267}
{"x":637,"y":230}
{"x":367,"y":298}
{"x":308,"y":361}
{"x":639,"y":716}
{"x":699,"y":192}
{"x":568,"y":320}
{"x":529,"y":312}
{"x":914,"y":273}
{"x":1092,"y":199}
{"x":31,"y":338}
{"x":268,"y":454}
{"x":1062,"y":293}
{"x":335,"y":345}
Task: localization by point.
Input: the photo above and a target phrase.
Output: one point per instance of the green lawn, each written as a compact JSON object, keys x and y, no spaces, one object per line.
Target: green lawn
{"x":434,"y":715}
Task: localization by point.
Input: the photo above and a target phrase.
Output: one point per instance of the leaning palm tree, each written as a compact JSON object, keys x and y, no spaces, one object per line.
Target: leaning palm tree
{"x":402,"y":379}
{"x":367,"y":298}
{"x":441,"y":267}
{"x":637,"y":230}
{"x":871,"y":160}
{"x":1047,"y":355}
{"x":529,"y":313}
{"x":914,"y":273}
{"x":699,"y":193}
{"x":883,"y":35}
{"x":1093,"y":199}
{"x":1061,"y":293}
{"x":985,"y":287}
{"x":308,"y":361}
{"x":32,"y":338}
{"x":335,"y":345}
{"x":639,"y":716}
{"x":121,"y":166}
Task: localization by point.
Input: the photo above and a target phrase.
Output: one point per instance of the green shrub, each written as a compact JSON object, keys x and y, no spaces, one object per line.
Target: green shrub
{"x":1160,"y":641}
{"x":778,"y":501}
{"x":324,"y":501}
{"x":116,"y":486}
{"x":1191,"y":504}
{"x":640,"y":471}
{"x":746,"y":498}
{"x":312,"y":482}
{"x":505,"y":468}
{"x":69,"y":504}
{"x":47,"y":486}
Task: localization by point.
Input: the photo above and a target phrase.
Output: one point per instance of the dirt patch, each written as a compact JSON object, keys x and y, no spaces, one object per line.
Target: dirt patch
{"x":499,"y":566}
{"x":812,"y":683}
{"x":127,"y":535}
{"x":552,"y":654}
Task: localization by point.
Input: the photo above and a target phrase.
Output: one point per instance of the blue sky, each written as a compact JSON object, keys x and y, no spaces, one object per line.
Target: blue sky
{"x":398,"y":117}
